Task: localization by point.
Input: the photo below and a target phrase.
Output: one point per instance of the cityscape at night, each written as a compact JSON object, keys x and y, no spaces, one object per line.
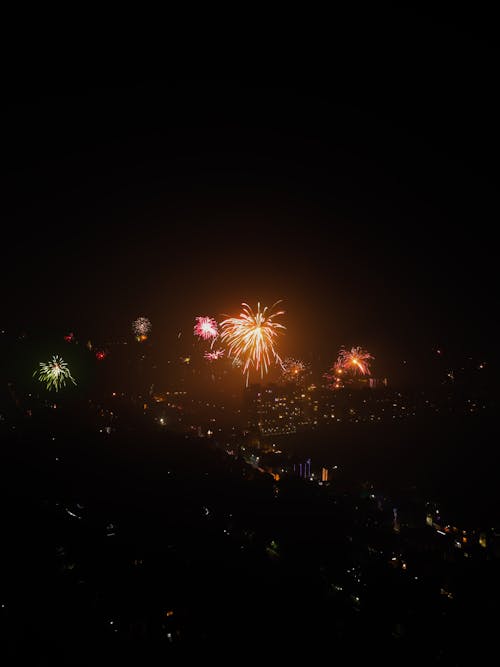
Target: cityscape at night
{"x":249,"y":385}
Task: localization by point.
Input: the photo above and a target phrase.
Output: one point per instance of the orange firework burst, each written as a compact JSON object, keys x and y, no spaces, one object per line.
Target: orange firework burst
{"x":293,"y":370}
{"x":251,"y":338}
{"x":356,"y":360}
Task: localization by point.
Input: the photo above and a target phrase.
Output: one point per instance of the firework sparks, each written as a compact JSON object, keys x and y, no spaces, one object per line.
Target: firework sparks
{"x":141,"y":328}
{"x":100,"y":355}
{"x":251,"y":338}
{"x":293,"y":370}
{"x":213,"y":355}
{"x":356,"y":360}
{"x":334,"y":378}
{"x":54,"y":373}
{"x":205,"y":328}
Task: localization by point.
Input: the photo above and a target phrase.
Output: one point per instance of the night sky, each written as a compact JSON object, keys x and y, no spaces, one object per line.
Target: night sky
{"x":361,"y":192}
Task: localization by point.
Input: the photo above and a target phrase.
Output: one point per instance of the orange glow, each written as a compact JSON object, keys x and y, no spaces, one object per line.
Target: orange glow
{"x":355,"y":359}
{"x":251,"y":338}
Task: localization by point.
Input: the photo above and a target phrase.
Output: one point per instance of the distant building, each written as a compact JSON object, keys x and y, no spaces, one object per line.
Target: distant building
{"x":277,"y":409}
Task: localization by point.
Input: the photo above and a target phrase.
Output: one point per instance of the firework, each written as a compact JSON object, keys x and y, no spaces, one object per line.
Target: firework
{"x":213,"y":355}
{"x":205,"y":328}
{"x":356,"y":360}
{"x":100,"y":355}
{"x":70,"y":337}
{"x":141,"y":328}
{"x":293,"y":370}
{"x":54,"y":373}
{"x":334,"y":378}
{"x":251,"y":338}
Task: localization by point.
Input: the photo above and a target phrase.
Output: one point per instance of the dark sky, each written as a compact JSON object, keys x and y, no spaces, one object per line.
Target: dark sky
{"x":362,"y":192}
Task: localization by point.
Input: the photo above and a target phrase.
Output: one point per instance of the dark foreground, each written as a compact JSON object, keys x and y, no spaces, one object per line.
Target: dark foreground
{"x":144,"y":547}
